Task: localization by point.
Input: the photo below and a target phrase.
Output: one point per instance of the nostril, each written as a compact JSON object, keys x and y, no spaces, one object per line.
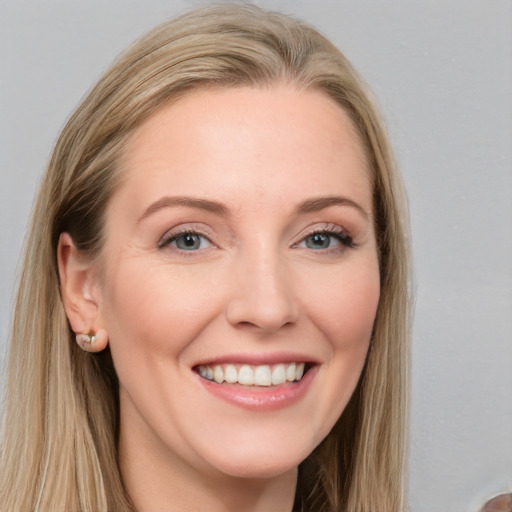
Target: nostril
{"x":263,"y":316}
{"x":246,"y":324}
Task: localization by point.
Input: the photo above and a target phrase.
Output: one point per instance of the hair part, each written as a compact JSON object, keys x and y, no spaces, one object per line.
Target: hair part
{"x":61,"y":404}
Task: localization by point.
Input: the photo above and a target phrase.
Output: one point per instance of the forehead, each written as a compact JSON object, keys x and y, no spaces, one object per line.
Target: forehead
{"x":236,"y":141}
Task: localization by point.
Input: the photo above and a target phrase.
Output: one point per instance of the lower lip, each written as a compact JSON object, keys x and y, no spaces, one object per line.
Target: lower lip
{"x":261,"y":398}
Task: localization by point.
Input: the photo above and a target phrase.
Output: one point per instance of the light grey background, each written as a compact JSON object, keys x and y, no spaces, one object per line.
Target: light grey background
{"x":442,"y":73}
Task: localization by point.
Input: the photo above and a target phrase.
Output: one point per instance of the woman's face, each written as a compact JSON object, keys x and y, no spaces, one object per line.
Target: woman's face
{"x":239,"y":250}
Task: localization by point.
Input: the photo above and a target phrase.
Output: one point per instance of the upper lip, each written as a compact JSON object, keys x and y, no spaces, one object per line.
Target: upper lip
{"x":256,"y":359}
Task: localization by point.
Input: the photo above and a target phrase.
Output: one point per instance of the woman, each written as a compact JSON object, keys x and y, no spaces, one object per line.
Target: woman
{"x":213,"y":308}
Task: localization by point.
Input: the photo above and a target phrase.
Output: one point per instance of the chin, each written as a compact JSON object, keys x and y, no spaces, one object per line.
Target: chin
{"x":250,"y":471}
{"x":261,"y":463}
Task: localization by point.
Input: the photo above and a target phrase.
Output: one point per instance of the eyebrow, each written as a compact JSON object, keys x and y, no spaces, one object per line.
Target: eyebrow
{"x":191,"y":202}
{"x":320,"y":203}
{"x":308,"y":206}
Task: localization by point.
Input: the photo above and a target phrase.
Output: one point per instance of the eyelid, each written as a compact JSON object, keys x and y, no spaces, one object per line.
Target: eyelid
{"x":175,"y":232}
{"x":329,"y":229}
{"x":342,"y":236}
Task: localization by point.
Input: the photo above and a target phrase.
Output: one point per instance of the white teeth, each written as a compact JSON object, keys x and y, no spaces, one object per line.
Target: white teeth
{"x":206,"y":372}
{"x":218,"y":374}
{"x":278,"y":374}
{"x":246,"y":375}
{"x":230,"y":374}
{"x":290,"y":372}
{"x":262,"y":376}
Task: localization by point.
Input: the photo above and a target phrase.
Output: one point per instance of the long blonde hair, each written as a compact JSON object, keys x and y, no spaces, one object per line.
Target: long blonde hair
{"x":61,"y":405}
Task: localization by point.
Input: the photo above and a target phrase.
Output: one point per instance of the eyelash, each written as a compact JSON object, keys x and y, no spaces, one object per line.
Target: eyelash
{"x":173,"y":236}
{"x":335,"y":232}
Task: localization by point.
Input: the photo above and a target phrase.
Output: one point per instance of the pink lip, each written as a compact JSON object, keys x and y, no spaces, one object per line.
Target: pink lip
{"x":261,"y":399}
{"x":258,"y":359}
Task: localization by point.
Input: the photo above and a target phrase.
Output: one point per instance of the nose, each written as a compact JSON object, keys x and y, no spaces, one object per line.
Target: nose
{"x":263,"y":296}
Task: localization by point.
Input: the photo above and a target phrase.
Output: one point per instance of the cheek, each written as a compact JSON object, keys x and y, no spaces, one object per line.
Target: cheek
{"x":158,"y":308}
{"x":345,"y":306}
{"x":345,"y":310}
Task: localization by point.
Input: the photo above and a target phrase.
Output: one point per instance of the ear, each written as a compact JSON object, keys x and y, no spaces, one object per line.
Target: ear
{"x":81,"y":294}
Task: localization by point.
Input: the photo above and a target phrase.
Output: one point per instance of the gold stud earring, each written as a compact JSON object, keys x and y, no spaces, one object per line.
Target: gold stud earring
{"x":86,"y":341}
{"x":93,"y":341}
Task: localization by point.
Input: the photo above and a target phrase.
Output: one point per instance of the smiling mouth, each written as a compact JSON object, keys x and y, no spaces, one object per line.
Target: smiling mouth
{"x":253,"y":375}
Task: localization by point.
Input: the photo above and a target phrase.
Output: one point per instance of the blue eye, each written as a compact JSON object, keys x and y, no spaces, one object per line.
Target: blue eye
{"x":187,"y":241}
{"x":324,"y":240}
{"x":320,"y":241}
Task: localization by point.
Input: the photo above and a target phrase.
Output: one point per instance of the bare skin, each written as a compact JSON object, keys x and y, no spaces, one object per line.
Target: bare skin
{"x":241,"y":235}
